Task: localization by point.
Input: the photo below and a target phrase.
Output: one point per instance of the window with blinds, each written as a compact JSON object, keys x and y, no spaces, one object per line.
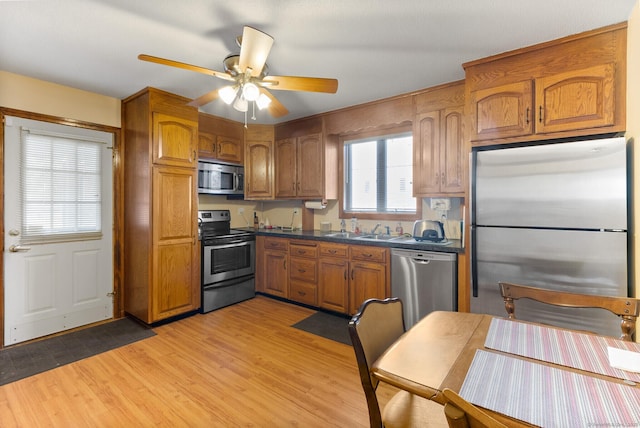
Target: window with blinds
{"x":60,"y":188}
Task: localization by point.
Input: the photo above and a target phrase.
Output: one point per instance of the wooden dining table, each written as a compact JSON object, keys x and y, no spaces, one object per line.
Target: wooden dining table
{"x":439,"y":351}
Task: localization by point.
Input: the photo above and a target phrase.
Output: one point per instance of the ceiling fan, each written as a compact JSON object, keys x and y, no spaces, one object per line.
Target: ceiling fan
{"x":247,"y":73}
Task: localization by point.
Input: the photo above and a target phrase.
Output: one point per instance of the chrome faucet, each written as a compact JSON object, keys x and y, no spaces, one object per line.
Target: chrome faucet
{"x":373,"y":231}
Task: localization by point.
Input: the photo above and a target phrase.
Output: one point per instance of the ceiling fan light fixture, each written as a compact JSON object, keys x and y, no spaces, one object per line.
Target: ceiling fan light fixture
{"x":241,"y":104}
{"x":250,"y":91}
{"x":228,"y":94}
{"x":263,"y":101}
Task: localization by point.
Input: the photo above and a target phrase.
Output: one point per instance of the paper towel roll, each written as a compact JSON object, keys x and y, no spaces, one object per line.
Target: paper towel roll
{"x":315,"y":205}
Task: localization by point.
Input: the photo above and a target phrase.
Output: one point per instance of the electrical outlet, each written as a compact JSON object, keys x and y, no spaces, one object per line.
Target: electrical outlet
{"x":240,"y":210}
{"x":296,"y":211}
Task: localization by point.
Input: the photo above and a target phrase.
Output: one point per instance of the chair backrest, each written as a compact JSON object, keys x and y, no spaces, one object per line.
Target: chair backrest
{"x":625,"y":307}
{"x":373,"y":329}
{"x":462,"y":414}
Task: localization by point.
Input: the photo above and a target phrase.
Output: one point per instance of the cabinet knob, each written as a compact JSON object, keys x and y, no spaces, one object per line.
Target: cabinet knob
{"x":526,"y":116}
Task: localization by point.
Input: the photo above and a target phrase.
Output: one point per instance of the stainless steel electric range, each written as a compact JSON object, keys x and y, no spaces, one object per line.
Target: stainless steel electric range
{"x":228,"y":260}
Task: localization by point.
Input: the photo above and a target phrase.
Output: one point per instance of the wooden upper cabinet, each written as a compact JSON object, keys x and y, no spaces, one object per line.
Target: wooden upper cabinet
{"x":503,"y":111}
{"x":576,"y":99}
{"x":439,"y":156}
{"x":285,"y":165}
{"x":310,"y":167}
{"x":579,"y":99}
{"x":220,"y":139}
{"x":570,"y":87}
{"x":258,"y":171}
{"x":299,"y":167}
{"x":229,"y":149}
{"x":206,"y":145}
{"x":306,"y":160}
{"x":174,"y":140}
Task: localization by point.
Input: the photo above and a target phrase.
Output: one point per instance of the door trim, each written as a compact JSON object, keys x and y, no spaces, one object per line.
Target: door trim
{"x":118,"y":209}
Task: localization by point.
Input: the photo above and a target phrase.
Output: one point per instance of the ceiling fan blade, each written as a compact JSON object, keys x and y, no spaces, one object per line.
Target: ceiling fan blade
{"x":204,"y":99}
{"x":255,"y":48}
{"x":276,"y":109}
{"x":297,"y":83}
{"x":185,"y":66}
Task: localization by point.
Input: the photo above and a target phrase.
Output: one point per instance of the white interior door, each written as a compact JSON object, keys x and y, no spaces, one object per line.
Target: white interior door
{"x":57,"y":284}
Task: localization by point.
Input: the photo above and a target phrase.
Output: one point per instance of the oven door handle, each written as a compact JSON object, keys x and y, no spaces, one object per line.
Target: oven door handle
{"x":230,"y":245}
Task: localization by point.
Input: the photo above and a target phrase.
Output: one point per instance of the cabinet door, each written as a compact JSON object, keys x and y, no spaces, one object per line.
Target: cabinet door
{"x":259,"y":170}
{"x":367,"y":281}
{"x":503,"y":111}
{"x":426,"y":154}
{"x":333,"y":284}
{"x":577,"y":99}
{"x":452,"y":154}
{"x":310,"y":167}
{"x":285,"y":161}
{"x":229,"y":149}
{"x":206,"y":145}
{"x":176,"y":271}
{"x":276,"y":280}
{"x":175,"y":140}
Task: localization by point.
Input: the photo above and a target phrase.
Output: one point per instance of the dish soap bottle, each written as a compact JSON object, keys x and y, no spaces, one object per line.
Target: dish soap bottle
{"x":399,"y":230}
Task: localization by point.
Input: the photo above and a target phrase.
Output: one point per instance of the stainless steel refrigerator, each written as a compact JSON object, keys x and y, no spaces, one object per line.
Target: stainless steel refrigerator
{"x":551,"y":216}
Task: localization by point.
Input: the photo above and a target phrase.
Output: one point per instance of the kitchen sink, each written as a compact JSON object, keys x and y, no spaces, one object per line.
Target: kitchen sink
{"x":381,"y":237}
{"x":342,"y":235}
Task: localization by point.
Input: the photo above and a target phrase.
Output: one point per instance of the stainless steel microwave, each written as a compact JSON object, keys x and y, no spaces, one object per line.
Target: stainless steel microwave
{"x":220,"y":179}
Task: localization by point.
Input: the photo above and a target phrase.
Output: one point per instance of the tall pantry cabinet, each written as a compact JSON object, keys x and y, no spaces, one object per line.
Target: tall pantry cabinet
{"x":162,"y":266}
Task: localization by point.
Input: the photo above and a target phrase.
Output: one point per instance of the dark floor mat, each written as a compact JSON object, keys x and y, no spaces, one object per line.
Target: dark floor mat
{"x":330,"y":326}
{"x":26,"y":360}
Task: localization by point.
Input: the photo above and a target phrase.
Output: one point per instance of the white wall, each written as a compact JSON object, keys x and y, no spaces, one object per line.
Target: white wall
{"x":37,"y":96}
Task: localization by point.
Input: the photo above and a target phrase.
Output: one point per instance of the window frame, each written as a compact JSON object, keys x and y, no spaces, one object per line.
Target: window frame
{"x":342,"y":172}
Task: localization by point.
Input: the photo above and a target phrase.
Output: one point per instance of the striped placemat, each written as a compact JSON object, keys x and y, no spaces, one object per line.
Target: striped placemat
{"x":546,"y":396}
{"x":563,"y":347}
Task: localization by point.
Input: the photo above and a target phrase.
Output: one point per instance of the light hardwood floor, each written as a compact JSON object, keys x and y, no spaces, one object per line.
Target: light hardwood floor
{"x":243,"y":365}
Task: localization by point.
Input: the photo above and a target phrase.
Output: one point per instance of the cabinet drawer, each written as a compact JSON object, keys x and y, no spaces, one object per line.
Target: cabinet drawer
{"x":303,"y":269}
{"x":303,"y":292}
{"x":369,"y":254}
{"x":276,"y":244}
{"x":333,"y":250}
{"x":303,"y":250}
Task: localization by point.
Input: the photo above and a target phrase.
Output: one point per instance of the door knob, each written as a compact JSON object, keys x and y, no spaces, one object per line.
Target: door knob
{"x":18,"y":248}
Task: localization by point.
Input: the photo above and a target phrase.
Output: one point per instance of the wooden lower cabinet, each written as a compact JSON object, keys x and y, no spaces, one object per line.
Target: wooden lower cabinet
{"x":276,"y":279}
{"x":332,"y":276}
{"x":367,"y":281}
{"x":369,"y":275}
{"x":333,"y":287}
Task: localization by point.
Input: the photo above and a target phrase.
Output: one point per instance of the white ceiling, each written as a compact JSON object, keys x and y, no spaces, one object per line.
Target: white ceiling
{"x":375,"y":48}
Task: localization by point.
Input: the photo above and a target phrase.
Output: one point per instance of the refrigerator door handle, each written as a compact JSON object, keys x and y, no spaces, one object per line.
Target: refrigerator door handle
{"x":474,"y":263}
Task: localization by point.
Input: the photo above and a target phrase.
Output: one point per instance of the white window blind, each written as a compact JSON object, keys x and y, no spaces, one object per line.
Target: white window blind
{"x":60,"y":188}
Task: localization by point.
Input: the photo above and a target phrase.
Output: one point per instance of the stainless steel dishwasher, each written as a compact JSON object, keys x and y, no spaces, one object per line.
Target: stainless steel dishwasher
{"x":425,"y":281}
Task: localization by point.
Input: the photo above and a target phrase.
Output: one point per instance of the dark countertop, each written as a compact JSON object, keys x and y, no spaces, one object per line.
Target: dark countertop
{"x":408,"y":243}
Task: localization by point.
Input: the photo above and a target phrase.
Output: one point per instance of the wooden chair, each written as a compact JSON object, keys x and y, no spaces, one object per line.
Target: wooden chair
{"x":373,"y":329}
{"x":625,"y":307}
{"x":462,"y":414}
